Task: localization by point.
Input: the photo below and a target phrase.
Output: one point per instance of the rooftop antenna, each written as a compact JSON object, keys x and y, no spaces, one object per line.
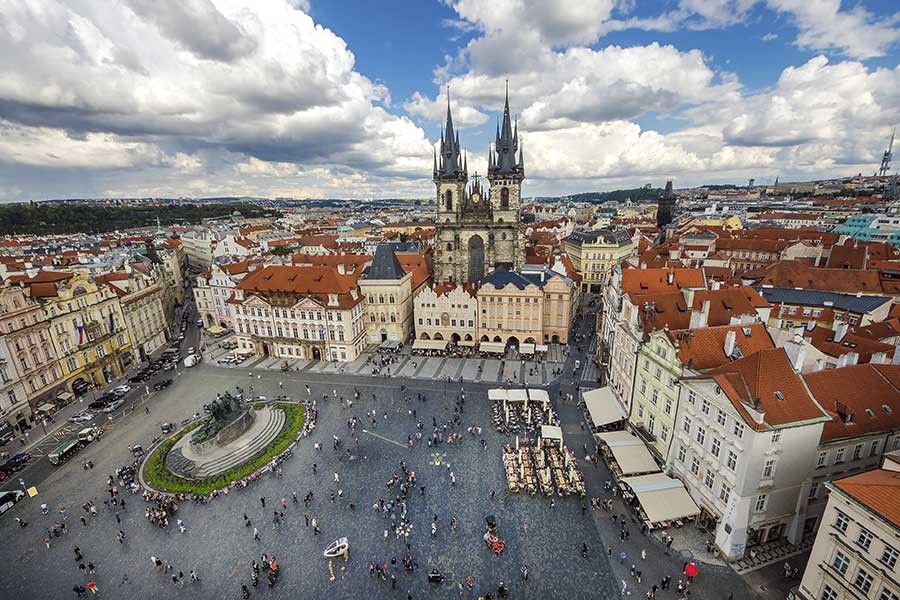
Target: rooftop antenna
{"x":886,"y":158}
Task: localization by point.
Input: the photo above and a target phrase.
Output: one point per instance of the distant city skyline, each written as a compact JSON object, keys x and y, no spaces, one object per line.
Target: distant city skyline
{"x":345,"y":98}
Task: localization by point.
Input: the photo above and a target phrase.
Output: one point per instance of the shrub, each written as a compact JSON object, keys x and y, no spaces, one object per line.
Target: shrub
{"x":159,"y":477}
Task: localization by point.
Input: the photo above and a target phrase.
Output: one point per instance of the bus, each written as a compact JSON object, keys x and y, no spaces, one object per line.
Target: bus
{"x":64,"y":451}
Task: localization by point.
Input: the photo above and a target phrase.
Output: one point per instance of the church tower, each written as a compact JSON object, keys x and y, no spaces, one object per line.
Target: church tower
{"x":506,"y":170}
{"x":450,"y":175}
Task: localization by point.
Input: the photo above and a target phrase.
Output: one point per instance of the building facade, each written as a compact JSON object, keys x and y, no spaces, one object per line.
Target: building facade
{"x":857,"y":548}
{"x":32,"y":357}
{"x":307,"y":313}
{"x":387,"y":288}
{"x":595,"y":253}
{"x":446,"y":312}
{"x":477,"y":231}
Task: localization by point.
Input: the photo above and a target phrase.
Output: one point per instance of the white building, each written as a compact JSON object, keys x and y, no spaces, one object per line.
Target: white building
{"x":745,"y":445}
{"x":858,"y":546}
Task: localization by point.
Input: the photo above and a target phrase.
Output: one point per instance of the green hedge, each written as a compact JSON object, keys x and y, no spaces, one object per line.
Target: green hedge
{"x":159,"y":477}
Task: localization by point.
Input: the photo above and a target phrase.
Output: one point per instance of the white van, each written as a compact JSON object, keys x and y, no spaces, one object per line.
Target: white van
{"x":9,"y":499}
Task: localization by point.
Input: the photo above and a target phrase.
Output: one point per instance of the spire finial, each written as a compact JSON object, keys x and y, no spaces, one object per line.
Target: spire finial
{"x":507,"y":93}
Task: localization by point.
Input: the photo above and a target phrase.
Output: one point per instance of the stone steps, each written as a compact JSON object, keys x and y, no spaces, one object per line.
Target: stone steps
{"x":251,"y":448}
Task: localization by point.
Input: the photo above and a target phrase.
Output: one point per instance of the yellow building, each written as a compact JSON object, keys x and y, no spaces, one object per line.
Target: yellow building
{"x":595,"y":253}
{"x":447,"y":312}
{"x":388,"y":292}
{"x":87,"y":326}
{"x":141,"y":299}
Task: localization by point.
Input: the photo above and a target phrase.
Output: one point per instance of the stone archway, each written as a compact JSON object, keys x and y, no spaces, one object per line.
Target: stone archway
{"x":439,"y":337}
{"x":512,"y":342}
{"x":455,"y":338}
{"x":316,"y":353}
{"x":498,"y":339}
{"x":425,"y":336}
{"x":484,"y":338}
{"x":476,"y":259}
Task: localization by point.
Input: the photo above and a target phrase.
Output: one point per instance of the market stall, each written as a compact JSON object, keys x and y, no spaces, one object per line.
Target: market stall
{"x":526,"y":349}
{"x":492,"y":347}
{"x":663,"y":500}
{"x":626,"y":454}
{"x":539,"y":396}
{"x":551,"y":435}
{"x":423,"y":345}
{"x":602,"y":410}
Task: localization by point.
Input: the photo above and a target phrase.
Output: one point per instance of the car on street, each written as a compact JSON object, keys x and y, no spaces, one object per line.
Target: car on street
{"x":16,"y":463}
{"x":121,"y":390}
{"x":97,"y":405}
{"x":9,"y":499}
{"x":180,"y":337}
{"x":168,"y":366}
{"x":161,"y":385}
{"x":82,"y":417}
{"x":190,"y":350}
{"x":113,"y":405}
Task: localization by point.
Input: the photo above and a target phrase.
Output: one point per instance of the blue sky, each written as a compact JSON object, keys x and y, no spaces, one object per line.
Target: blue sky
{"x":344,"y":98}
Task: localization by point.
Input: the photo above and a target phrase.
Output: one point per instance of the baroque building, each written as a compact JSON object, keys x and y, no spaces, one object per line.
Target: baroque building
{"x":477,"y":230}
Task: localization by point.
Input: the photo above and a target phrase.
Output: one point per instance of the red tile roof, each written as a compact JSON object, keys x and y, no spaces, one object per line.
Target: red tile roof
{"x":797,"y":274}
{"x":418,"y":264}
{"x":838,"y":391}
{"x":702,"y":349}
{"x":823,"y":339}
{"x":755,"y":379}
{"x":317,"y":282}
{"x":848,"y":256}
{"x":877,"y":490}
{"x":648,"y":281}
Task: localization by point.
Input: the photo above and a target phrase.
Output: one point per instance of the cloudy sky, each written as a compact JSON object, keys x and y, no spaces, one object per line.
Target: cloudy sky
{"x":345,"y":98}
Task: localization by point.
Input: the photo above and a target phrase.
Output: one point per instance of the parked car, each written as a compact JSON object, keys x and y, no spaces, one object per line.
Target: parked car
{"x":82,"y":417}
{"x":161,"y":385}
{"x":97,"y":405}
{"x":168,"y":366}
{"x":121,"y":390}
{"x":9,"y":499}
{"x":113,"y":405}
{"x":89,"y":434}
{"x":16,"y":463}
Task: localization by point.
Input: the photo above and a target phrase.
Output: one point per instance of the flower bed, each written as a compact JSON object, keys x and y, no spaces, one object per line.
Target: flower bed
{"x":157,"y":476}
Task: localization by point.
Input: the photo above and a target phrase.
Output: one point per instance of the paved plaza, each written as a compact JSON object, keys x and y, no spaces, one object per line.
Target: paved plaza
{"x":219,"y":547}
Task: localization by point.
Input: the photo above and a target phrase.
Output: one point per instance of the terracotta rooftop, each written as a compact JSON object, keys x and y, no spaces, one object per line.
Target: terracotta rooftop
{"x":854,"y":414}
{"x":766,"y":380}
{"x":317,"y":282}
{"x":702,"y":349}
{"x":648,"y":281}
{"x":823,"y":339}
{"x":877,"y":490}
{"x":881,"y":330}
{"x":418,"y":264}
{"x":796,"y":274}
{"x":848,"y":256}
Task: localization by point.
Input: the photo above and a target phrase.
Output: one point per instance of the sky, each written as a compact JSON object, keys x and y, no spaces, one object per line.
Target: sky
{"x":346,"y":98}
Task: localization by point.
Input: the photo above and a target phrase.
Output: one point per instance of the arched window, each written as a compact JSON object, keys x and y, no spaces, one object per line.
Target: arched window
{"x":503,"y":236}
{"x":448,"y":200}
{"x":373,"y":318}
{"x":449,"y":246}
{"x":393,"y":318}
{"x":504,"y":198}
{"x":391,"y":299}
{"x":383,"y":319}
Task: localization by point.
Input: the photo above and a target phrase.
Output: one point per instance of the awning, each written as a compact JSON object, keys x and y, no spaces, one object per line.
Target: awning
{"x":526,"y":348}
{"x":662,"y":498}
{"x":46,"y":407}
{"x":216,"y":330}
{"x":6,"y":429}
{"x":602,"y":406}
{"x":538,"y":396}
{"x":390,"y":344}
{"x":497,"y":394}
{"x":630,"y":452}
{"x":466,"y":343}
{"x":429,"y":345}
{"x":518,"y":395}
{"x":551,"y":432}
{"x":65,"y":396}
{"x":540,"y":348}
{"x":496,"y":347}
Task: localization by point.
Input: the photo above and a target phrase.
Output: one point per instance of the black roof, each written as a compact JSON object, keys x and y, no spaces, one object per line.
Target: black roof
{"x":385,"y":264}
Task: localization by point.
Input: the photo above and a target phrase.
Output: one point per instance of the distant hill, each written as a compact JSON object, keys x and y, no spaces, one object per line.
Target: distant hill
{"x":644,"y":194}
{"x":49,"y":218}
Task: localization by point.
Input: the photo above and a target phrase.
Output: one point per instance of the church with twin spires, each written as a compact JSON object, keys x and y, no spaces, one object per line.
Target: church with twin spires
{"x":477,"y":226}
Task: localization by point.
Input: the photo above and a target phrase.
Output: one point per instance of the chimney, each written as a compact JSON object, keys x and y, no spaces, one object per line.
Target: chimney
{"x":840,"y":331}
{"x":852,"y":359}
{"x":341,"y":269}
{"x":704,"y":313}
{"x":670,"y":277}
{"x":714,"y":285}
{"x":643,"y":265}
{"x":730,"y":340}
{"x":673,"y":252}
{"x":796,"y":352}
{"x":879,"y":358}
{"x":896,"y":359}
{"x":688,"y":296}
{"x":700,"y":318}
{"x":819,"y":366}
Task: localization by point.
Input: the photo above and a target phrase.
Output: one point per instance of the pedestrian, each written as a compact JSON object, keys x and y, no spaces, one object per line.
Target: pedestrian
{"x":524,"y":570}
{"x":79,"y":589}
{"x":90,"y":568}
{"x":92,"y":587}
{"x":622,"y":557}
{"x":306,"y":518}
{"x":262,"y":500}
{"x":256,"y":534}
{"x":609,"y":551}
{"x":337,"y":479}
{"x":176,"y":581}
{"x":181,"y":526}
{"x":493,"y":492}
{"x":643,"y":554}
{"x":147,"y":409}
{"x":245,"y":591}
{"x":284,"y":503}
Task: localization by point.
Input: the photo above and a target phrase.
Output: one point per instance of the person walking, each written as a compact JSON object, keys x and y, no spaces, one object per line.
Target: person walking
{"x":256,"y":534}
{"x":524,"y":570}
{"x":262,"y":500}
{"x":643,"y":554}
{"x":194,"y":578}
{"x":92,"y":587}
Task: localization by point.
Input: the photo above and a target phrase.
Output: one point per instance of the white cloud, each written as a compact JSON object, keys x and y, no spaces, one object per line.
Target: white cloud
{"x":770,"y":37}
{"x":436,"y":111}
{"x":855,"y":32}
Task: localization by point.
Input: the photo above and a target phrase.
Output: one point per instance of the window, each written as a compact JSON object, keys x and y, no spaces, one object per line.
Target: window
{"x":875,"y":447}
{"x":839,"y":456}
{"x":828,"y":593}
{"x":887,"y":594}
{"x":761,"y":501}
{"x":841,"y":522}
{"x":813,"y":491}
{"x":864,"y":539}
{"x":704,"y":406}
{"x":691,"y":397}
{"x":681,"y":453}
{"x":738,"y":430}
{"x":695,"y":465}
{"x":724,"y":492}
{"x":668,"y":407}
{"x":664,"y":432}
{"x":658,"y":373}
{"x":709,"y":479}
{"x":889,"y":556}
{"x":857,"y":451}
{"x":776,"y":437}
{"x":720,"y":417}
{"x":732,"y":460}
{"x":863,"y":581}
{"x":643,"y":388}
{"x":821,"y":460}
{"x":640,"y":411}
{"x":647,"y":365}
{"x":841,"y":563}
{"x":654,"y":398}
{"x":686,"y":425}
{"x":769,"y":469}
{"x":716,"y":447}
{"x":701,"y":435}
